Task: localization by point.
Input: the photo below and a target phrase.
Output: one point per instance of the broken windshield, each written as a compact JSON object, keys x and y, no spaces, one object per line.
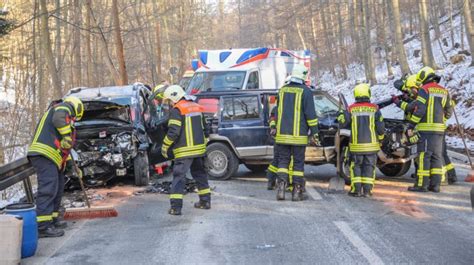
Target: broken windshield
{"x":216,"y":81}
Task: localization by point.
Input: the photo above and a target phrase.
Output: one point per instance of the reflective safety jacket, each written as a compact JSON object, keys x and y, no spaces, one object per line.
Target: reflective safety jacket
{"x":408,"y":106}
{"x":433,"y":108}
{"x":296,"y":115}
{"x":367,"y":127}
{"x":186,"y":130}
{"x":55,"y":124}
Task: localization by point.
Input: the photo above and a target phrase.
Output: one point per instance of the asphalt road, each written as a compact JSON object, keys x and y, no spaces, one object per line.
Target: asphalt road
{"x":246,"y":225}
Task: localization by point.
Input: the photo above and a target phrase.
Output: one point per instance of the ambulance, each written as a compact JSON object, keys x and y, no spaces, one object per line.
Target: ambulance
{"x":241,"y":69}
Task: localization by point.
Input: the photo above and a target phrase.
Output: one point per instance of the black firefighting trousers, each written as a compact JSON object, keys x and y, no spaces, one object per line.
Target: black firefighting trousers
{"x":448,"y":168}
{"x":362,"y":171}
{"x":430,"y":160}
{"x":50,"y":190}
{"x":286,"y":155}
{"x":180,"y":168}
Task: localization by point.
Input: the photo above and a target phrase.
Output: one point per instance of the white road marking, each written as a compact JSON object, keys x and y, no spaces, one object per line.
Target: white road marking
{"x":311,"y":190}
{"x":365,"y":250}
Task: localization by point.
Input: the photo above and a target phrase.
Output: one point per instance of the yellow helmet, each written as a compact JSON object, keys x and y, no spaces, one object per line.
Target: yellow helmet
{"x":158,"y":91}
{"x":77,"y":105}
{"x":424,"y":74}
{"x":412,"y":82}
{"x":362,"y":90}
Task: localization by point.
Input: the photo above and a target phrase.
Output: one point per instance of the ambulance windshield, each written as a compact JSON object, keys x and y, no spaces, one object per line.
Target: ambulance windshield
{"x":216,"y":81}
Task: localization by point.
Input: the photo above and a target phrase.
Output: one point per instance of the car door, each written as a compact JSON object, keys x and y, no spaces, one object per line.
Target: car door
{"x":156,"y":127}
{"x":242,"y":122}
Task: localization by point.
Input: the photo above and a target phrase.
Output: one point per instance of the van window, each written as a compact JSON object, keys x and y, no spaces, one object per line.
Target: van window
{"x":253,"y":81}
{"x":240,"y":108}
{"x":216,"y":81}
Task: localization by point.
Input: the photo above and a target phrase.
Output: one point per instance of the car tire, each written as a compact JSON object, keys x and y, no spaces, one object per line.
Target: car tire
{"x":141,"y":169}
{"x":256,"y":168}
{"x":395,"y":170}
{"x":221,"y":162}
{"x":345,"y":165}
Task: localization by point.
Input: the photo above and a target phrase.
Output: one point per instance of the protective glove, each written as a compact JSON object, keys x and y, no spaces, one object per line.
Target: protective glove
{"x":273,"y":132}
{"x":164,"y":151}
{"x":315,"y":139}
{"x":66,"y":143}
{"x":395,"y":100}
{"x":414,"y":138}
{"x":341,"y":118}
{"x":398,"y":84}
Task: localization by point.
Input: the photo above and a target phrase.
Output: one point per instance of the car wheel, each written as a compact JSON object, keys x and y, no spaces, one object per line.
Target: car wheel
{"x":256,"y":168}
{"x":345,"y":165}
{"x":141,"y":169}
{"x":221,"y":162}
{"x":395,"y":170}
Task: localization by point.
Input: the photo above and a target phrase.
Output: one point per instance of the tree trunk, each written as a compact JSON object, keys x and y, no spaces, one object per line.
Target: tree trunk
{"x":451,"y":22}
{"x":119,"y":44}
{"x":159,"y":58}
{"x":327,"y":38}
{"x":77,"y":45}
{"x":342,"y":44}
{"x":365,"y":37}
{"x":48,"y":52}
{"x":103,"y":43}
{"x":57,"y":45}
{"x":469,"y":26}
{"x":401,"y":54}
{"x":90,"y":72}
{"x":353,"y":14}
{"x":426,"y":48}
{"x":384,"y":37}
{"x":298,"y":25}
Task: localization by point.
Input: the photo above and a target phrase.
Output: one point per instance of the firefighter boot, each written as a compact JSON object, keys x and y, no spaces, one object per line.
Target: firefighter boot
{"x":452,"y":178}
{"x":422,"y":188}
{"x":175,"y":211}
{"x":435,"y":186}
{"x":356,"y":190}
{"x":271,"y":184}
{"x":59,"y":223}
{"x":50,"y":231}
{"x":281,"y":188}
{"x":367,"y":190}
{"x":297,"y":193}
{"x":206,"y":205}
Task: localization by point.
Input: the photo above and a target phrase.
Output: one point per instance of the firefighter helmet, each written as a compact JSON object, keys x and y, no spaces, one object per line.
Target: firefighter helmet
{"x":159,"y":90}
{"x":424,"y":74}
{"x":77,"y":105}
{"x":299,"y":71}
{"x":362,"y":91}
{"x":412,"y":82}
{"x":174,"y":93}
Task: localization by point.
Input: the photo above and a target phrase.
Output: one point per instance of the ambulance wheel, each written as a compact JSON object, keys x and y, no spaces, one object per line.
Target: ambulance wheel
{"x":141,"y":169}
{"x":256,"y":168}
{"x":395,"y":170}
{"x":221,"y":162}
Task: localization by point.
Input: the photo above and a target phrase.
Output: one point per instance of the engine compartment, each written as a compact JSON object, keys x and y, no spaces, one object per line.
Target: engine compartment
{"x":107,"y":156}
{"x":395,"y":143}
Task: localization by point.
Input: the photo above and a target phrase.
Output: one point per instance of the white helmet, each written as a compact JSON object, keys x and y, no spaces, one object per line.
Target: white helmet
{"x":174,"y":93}
{"x":299,"y":71}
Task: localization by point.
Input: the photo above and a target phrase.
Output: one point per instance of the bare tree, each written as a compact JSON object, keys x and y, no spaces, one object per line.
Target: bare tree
{"x":426,"y":49}
{"x":400,"y":49}
{"x":119,"y":44}
{"x":48,"y":52}
{"x":469,"y":26}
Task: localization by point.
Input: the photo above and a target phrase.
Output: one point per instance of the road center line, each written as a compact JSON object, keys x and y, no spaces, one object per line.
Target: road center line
{"x":365,"y":250}
{"x":311,"y":190}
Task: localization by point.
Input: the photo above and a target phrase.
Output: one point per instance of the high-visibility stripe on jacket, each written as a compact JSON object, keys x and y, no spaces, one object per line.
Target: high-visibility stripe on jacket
{"x":367,"y":127}
{"x":186,"y":130}
{"x":296,"y":115}
{"x":433,"y":108}
{"x":55,"y":124}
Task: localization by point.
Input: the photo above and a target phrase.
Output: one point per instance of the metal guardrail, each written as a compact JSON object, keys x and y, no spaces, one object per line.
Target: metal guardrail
{"x":15,"y":172}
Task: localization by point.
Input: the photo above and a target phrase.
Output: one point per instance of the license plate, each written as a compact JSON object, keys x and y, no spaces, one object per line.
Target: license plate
{"x":121,"y":172}
{"x":414,"y":149}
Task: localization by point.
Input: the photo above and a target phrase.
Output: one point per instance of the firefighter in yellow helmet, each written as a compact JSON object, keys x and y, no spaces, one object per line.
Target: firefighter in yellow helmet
{"x":433,"y":107}
{"x":48,"y":153}
{"x":367,"y":131}
{"x":296,"y":117}
{"x":409,"y":89}
{"x":186,"y":137}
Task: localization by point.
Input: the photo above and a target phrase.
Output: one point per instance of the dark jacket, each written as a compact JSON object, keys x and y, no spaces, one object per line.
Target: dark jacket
{"x":366,"y":125}
{"x":433,"y":107}
{"x":296,"y":115}
{"x":55,"y":124}
{"x":186,"y":130}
